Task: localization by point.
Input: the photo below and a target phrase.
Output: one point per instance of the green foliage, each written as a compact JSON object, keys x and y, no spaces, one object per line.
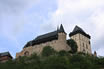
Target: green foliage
{"x":47,"y":51}
{"x":55,"y":62}
{"x":73,"y":45}
{"x":63,"y":53}
{"x":100,"y":61}
{"x":60,"y":60}
{"x":82,"y":62}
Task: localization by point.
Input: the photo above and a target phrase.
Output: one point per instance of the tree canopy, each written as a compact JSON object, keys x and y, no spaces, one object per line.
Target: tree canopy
{"x":76,"y":61}
{"x":73,"y":45}
{"x":47,"y":51}
{"x":58,"y":60}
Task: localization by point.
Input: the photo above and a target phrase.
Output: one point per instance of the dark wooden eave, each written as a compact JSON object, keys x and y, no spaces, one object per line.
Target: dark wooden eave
{"x":5,"y":54}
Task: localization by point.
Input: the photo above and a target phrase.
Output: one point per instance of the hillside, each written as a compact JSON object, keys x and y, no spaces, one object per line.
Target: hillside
{"x":55,"y":60}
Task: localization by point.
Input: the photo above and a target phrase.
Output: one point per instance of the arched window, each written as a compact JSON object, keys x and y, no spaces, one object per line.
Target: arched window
{"x":26,"y":53}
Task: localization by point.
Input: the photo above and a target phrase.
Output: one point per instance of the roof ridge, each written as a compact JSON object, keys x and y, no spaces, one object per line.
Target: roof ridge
{"x":47,"y":33}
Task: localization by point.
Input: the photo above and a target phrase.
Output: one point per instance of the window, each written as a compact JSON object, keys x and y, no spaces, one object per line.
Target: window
{"x":86,"y":46}
{"x":84,"y":51}
{"x":89,"y":42}
{"x":26,"y":53}
{"x":83,"y":45}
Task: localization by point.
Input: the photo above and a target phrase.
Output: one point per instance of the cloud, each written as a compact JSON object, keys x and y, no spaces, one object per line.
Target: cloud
{"x":12,"y":22}
{"x":13,"y":6}
{"x":100,"y":51}
{"x":22,"y":18}
{"x":12,"y":15}
{"x":20,"y":21}
{"x":87,"y":14}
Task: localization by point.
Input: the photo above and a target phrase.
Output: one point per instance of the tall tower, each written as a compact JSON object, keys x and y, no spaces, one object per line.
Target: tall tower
{"x":62,"y":34}
{"x":82,"y":39}
{"x":62,"y":42}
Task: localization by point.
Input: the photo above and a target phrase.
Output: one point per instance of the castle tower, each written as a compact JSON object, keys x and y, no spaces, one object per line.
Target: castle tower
{"x":61,"y":33}
{"x":82,"y":39}
{"x":62,"y":43}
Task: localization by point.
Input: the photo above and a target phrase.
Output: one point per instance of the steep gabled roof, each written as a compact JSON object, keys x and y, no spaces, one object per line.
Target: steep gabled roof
{"x":43,"y":38}
{"x":5,"y":54}
{"x":62,"y":29}
{"x":46,"y":37}
{"x":79,"y":30}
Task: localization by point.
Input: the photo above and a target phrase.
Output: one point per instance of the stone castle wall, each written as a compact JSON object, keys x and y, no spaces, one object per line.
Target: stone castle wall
{"x":58,"y":45}
{"x":83,"y":43}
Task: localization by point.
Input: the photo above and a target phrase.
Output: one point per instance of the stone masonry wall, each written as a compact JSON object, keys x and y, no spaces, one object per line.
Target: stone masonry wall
{"x":58,"y":45}
{"x":83,"y":43}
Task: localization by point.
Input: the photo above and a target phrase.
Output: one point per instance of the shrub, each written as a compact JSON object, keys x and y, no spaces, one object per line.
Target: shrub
{"x":73,"y":45}
{"x":47,"y":51}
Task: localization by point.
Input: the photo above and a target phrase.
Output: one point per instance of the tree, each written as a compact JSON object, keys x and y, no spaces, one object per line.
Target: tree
{"x":56,"y":62}
{"x":47,"y":51}
{"x":62,"y":53}
{"x":73,"y":45}
{"x":82,"y":62}
{"x":76,"y":61}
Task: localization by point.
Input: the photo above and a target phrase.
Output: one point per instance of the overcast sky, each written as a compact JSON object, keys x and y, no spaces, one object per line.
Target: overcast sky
{"x":23,"y":20}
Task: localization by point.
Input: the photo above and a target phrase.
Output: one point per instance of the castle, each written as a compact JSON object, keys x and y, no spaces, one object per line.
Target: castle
{"x":57,"y":40}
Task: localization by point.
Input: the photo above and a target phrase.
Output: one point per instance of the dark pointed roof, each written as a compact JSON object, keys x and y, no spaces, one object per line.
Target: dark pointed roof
{"x":76,"y":30}
{"x":46,"y":37}
{"x":5,"y":54}
{"x":62,"y":29}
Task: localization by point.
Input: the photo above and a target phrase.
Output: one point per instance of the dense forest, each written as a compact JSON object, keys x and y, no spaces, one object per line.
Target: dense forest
{"x":51,"y":59}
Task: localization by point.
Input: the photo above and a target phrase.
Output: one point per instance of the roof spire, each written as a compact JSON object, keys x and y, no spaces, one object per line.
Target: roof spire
{"x":62,"y":28}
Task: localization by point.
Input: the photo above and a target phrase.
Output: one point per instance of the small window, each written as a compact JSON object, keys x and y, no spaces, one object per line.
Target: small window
{"x":89,"y":42}
{"x":83,"y":44}
{"x":26,"y":53}
{"x":83,"y":50}
{"x":86,"y":46}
